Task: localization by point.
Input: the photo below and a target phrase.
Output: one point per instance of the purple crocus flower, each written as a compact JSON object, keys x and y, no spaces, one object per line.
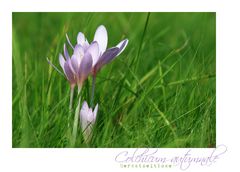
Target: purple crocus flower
{"x":77,"y":67}
{"x":104,"y":55}
{"x":87,"y":120}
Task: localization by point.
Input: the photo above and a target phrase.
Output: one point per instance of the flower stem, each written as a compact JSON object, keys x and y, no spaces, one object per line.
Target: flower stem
{"x":70,"y":103}
{"x":93,"y":88}
{"x":76,"y":117}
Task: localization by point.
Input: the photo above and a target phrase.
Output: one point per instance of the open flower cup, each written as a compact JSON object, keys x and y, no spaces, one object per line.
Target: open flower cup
{"x":103,"y":55}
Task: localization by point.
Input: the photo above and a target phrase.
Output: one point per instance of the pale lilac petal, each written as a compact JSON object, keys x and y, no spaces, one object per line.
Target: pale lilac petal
{"x":79,"y":52}
{"x":85,"y":67}
{"x":69,"y":42}
{"x":122,"y":45}
{"x":84,"y":111}
{"x":84,"y":115}
{"x":87,"y":121}
{"x":81,"y":38}
{"x":66,"y":54}
{"x":90,"y":116}
{"x":101,"y":37}
{"x":93,"y":49}
{"x":85,"y":106}
{"x":76,"y":58}
{"x":83,"y":122}
{"x":85,"y":45}
{"x":86,"y":42}
{"x":61,"y":61}
{"x":75,"y":63}
{"x":107,"y":56}
{"x":68,"y":72}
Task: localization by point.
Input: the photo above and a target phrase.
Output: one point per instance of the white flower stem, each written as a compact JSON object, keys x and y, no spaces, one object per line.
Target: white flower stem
{"x":71,"y":98}
{"x":76,"y":117}
{"x":93,"y":88}
{"x":70,"y":103}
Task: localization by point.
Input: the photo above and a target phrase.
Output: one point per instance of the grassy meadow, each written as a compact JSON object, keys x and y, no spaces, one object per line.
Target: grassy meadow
{"x":160,"y":92}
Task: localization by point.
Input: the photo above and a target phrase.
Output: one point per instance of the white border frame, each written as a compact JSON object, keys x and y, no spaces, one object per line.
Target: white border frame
{"x":228,"y":85}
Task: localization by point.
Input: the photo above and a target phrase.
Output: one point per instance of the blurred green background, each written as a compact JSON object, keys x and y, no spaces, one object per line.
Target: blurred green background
{"x":160,"y":92}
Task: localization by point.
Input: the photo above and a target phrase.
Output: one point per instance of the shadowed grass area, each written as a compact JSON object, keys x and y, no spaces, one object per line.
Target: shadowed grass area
{"x":160,"y":92}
